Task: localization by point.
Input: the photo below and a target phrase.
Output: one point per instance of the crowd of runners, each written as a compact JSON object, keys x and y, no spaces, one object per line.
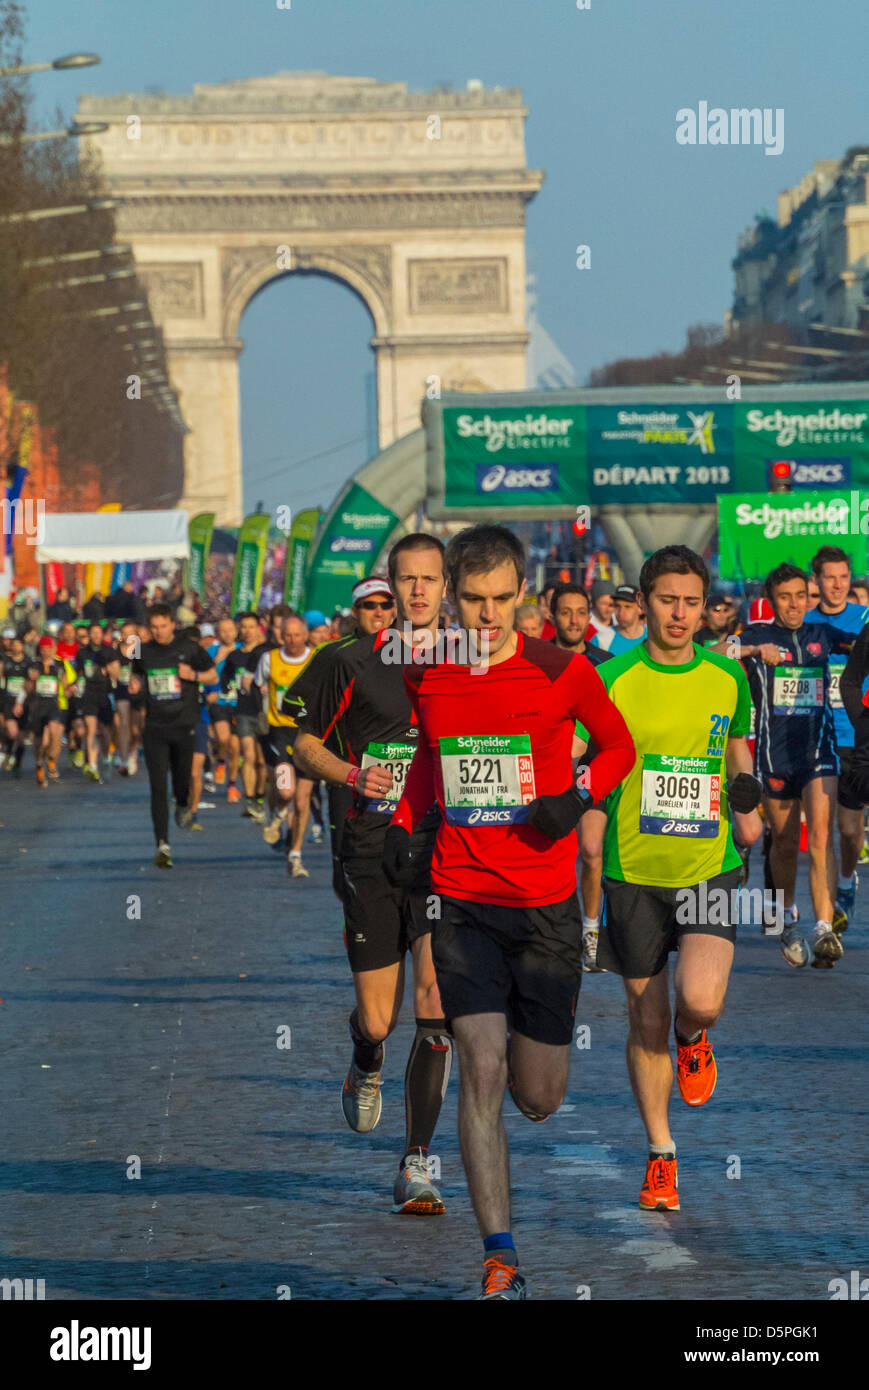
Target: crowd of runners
{"x":467,"y":751}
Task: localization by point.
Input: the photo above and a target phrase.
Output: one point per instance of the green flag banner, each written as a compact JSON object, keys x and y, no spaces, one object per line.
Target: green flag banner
{"x":348,"y":548}
{"x":249,"y":559}
{"x":199,"y":530}
{"x":757,"y":531}
{"x":298,"y":549}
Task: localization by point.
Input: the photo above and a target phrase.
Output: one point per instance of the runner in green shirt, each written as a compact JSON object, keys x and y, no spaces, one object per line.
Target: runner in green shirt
{"x":671,"y":869}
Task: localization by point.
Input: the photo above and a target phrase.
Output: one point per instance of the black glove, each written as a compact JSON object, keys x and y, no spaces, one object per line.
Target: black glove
{"x":557,"y":816}
{"x":397,"y":860}
{"x":743,"y":793}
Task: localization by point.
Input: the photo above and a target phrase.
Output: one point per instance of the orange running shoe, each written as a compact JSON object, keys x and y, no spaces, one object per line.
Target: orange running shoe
{"x":220,"y":774}
{"x":53,"y":775}
{"x":233,"y":794}
{"x":696,"y":1071}
{"x":40,"y":775}
{"x":501,"y":1281}
{"x":660,"y":1191}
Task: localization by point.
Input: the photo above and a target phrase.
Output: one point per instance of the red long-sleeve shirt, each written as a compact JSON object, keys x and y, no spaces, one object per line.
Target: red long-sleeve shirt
{"x":541,"y":691}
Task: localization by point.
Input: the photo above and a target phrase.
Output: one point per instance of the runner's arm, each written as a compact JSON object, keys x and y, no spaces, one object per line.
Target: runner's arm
{"x":737,"y":759}
{"x":419,"y":788}
{"x":851,"y":686}
{"x":594,"y":709}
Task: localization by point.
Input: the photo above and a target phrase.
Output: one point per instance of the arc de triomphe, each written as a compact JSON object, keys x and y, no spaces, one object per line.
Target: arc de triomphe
{"x":415,"y":200}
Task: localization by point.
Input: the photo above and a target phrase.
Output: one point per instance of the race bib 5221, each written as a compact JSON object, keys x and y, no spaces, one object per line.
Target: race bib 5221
{"x":488,"y":779}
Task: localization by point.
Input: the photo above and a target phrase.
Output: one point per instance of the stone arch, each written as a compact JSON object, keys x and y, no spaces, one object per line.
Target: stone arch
{"x":245,"y":271}
{"x":415,"y":200}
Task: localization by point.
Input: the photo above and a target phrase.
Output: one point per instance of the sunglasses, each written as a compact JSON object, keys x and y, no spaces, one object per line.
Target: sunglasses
{"x":369,"y":604}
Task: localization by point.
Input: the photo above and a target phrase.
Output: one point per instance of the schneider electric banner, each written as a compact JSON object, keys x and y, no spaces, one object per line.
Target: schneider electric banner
{"x":347,"y":549}
{"x":541,"y":458}
{"x":756,"y":531}
{"x":501,"y":457}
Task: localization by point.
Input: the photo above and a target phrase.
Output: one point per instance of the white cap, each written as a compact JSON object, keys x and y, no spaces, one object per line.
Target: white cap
{"x":363,"y":588}
{"x":206,"y":630}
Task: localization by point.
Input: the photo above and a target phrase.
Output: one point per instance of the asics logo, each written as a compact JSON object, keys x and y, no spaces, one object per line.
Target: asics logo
{"x":489,"y":817}
{"x":675,"y":827}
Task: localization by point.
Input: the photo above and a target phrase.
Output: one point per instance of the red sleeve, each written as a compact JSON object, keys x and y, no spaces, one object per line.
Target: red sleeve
{"x":419,"y":792}
{"x":593,"y":708}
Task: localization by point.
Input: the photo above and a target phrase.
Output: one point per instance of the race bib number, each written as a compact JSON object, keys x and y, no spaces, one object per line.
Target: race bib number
{"x":797,"y":689}
{"x":680,"y":796}
{"x":46,"y":686}
{"x":78,"y":687}
{"x":14,"y":685}
{"x":89,"y":668}
{"x":836,"y":701}
{"x":164,"y":684}
{"x":397,"y":757}
{"x":488,"y":780}
{"x":124,"y":675}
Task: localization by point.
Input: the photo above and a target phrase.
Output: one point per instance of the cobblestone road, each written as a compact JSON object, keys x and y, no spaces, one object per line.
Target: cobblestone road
{"x":156,"y":1037}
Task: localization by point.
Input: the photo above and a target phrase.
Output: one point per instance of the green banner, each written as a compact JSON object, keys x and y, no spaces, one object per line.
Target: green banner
{"x":504,"y":455}
{"x":826,"y":443}
{"x":199,"y":531}
{"x":298,"y":549}
{"x":659,"y":453}
{"x":249,"y":559}
{"x":757,"y":531}
{"x":347,"y":549}
{"x":544,"y":456}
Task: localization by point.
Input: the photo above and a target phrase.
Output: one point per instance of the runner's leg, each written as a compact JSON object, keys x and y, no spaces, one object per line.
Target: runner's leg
{"x":481,"y":1043}
{"x":818,"y":799}
{"x":783,"y":819}
{"x":648,"y":1053}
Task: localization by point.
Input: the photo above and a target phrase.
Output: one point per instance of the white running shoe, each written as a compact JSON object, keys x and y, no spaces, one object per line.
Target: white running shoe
{"x":295,"y":867}
{"x":827,"y":944}
{"x":414,"y":1193}
{"x":589,"y":952}
{"x":794,"y":947}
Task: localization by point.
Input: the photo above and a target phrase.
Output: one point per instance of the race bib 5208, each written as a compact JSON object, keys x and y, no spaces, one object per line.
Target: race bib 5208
{"x":797,"y":689}
{"x":488,"y":779}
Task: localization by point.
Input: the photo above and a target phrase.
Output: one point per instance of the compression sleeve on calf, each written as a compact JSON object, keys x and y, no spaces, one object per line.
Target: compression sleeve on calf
{"x":593,"y":707}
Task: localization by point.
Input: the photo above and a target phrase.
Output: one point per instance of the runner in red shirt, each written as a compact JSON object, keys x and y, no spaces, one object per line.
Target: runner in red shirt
{"x":494,"y":750}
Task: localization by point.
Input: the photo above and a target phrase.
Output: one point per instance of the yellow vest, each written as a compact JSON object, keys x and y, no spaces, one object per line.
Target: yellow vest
{"x":282,"y":673}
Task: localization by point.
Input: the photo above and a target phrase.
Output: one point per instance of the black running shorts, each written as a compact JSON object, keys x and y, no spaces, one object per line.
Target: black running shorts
{"x":381,"y":922}
{"x":789,"y":785}
{"x":853,"y":792}
{"x":640,"y":926}
{"x":524,"y":962}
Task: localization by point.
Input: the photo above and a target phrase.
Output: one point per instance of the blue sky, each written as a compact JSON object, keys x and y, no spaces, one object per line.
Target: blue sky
{"x":602,"y":86}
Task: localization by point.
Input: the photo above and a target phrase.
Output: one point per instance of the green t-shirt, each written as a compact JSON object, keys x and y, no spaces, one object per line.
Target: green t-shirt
{"x":668,"y":822}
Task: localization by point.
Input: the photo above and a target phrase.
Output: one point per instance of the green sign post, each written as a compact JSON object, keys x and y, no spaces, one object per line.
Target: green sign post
{"x":249,"y":560}
{"x":298,"y":549}
{"x":199,"y":530}
{"x":348,"y":548}
{"x":758,"y":531}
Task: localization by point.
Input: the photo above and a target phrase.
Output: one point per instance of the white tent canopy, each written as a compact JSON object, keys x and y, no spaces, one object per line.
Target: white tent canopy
{"x":105,"y":537}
